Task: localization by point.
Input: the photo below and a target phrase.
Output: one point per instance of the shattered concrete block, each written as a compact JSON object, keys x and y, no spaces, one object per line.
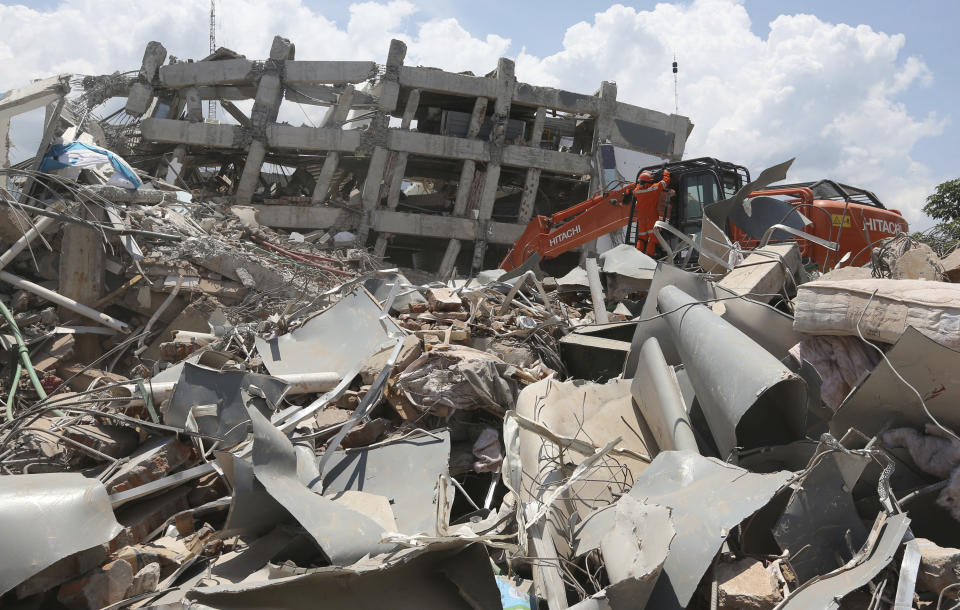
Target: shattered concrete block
{"x":207,"y":489}
{"x":746,"y":584}
{"x":115,"y":441}
{"x":50,"y":356}
{"x":918,"y":263}
{"x":939,"y":566}
{"x":331,"y":417}
{"x":443,"y":299}
{"x":63,"y":570}
{"x":411,"y":350}
{"x":762,"y":274}
{"x":145,"y":581}
{"x":141,"y":518}
{"x":102,"y":587}
{"x":951,"y":266}
{"x":365,"y":434}
{"x":154,"y":459}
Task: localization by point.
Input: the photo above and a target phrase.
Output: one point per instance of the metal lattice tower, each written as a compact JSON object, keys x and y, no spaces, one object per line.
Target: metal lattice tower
{"x":212,"y":104}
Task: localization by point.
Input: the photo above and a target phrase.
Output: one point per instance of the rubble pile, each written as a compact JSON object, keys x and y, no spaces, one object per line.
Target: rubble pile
{"x":205,"y":410}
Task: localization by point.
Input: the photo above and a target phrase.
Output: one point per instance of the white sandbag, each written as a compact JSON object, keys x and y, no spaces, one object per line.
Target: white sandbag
{"x":827,"y":307}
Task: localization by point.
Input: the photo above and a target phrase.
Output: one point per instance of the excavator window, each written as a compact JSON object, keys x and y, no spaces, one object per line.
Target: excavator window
{"x":698,"y":190}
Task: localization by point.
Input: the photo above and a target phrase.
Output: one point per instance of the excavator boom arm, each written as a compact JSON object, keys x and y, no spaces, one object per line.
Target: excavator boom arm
{"x":605,"y":212}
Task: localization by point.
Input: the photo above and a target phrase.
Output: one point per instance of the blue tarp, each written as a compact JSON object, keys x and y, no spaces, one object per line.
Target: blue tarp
{"x":78,"y":154}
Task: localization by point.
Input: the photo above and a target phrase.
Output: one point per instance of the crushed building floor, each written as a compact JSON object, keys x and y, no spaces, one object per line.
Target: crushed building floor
{"x":227,"y":386}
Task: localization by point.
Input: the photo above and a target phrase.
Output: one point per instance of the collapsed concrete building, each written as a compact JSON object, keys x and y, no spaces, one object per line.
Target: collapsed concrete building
{"x":484,"y":152}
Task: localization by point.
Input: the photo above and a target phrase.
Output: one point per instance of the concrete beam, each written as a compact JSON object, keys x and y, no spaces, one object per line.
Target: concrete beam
{"x":541,"y":158}
{"x":304,"y":72}
{"x":433,"y":145}
{"x":235,"y":112}
{"x":193,"y":134}
{"x":35,"y":95}
{"x":299,"y":216}
{"x":326,"y":95}
{"x":219,"y":72}
{"x":445,"y":227}
{"x":438,"y":81}
{"x":312,"y":138}
{"x":556,"y":99}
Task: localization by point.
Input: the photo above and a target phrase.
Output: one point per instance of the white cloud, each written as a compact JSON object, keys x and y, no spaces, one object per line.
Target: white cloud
{"x":825,"y":93}
{"x":822,"y":92}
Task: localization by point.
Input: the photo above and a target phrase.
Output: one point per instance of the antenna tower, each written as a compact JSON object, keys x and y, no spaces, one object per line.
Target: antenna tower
{"x":676,"y":95}
{"x":212,"y":104}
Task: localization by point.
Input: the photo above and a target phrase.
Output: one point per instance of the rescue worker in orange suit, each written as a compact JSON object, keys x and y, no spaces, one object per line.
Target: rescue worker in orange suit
{"x":646,"y":182}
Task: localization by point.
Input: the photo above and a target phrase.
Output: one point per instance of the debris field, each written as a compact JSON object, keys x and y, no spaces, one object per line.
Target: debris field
{"x":250,"y":365}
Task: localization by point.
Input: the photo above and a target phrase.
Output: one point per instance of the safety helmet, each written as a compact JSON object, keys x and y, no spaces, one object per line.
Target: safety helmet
{"x":645,"y":177}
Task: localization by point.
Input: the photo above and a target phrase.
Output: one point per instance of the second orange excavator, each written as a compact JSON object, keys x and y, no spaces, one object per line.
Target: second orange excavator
{"x":849,"y":218}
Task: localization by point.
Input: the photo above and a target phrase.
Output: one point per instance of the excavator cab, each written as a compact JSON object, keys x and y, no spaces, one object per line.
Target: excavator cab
{"x":695,"y":183}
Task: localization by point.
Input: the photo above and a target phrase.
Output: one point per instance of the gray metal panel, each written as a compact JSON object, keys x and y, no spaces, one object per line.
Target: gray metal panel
{"x":821,"y":512}
{"x":406,"y":472}
{"x":882,"y":400}
{"x":199,"y":385}
{"x":47,"y":517}
{"x":339,"y":339}
{"x":827,"y":591}
{"x":707,"y":499}
{"x":343,"y":534}
{"x":748,"y":397}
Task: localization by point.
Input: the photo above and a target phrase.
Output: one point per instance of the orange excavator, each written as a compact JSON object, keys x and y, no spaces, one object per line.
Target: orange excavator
{"x":841,"y":222}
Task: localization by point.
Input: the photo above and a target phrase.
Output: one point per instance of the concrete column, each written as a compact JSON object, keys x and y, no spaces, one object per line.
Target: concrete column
{"x":602,"y":128}
{"x":82,"y":260}
{"x":449,"y":260}
{"x":141,"y":92}
{"x":332,"y":120}
{"x":322,"y":188}
{"x":4,"y":147}
{"x":398,"y":169}
{"x":465,"y":185}
{"x":506,"y":83}
{"x":266,"y":105}
{"x":175,"y":164}
{"x":389,"y":92}
{"x":529,"y":197}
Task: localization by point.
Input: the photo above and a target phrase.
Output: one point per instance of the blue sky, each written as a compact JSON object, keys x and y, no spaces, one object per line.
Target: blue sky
{"x":862,"y":92}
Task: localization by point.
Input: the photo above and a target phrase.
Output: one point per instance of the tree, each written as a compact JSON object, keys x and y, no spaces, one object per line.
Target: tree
{"x":943,"y":205}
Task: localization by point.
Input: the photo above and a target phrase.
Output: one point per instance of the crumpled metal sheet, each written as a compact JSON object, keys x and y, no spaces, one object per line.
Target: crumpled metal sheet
{"x":707,"y":498}
{"x":826,"y":591}
{"x":451,"y":575}
{"x":340,"y":339}
{"x":200,"y":386}
{"x":47,"y":517}
{"x":881,"y":400}
{"x":821,"y":512}
{"x":635,"y":548}
{"x":408,"y":472}
{"x":343,"y":534}
{"x":749,"y":398}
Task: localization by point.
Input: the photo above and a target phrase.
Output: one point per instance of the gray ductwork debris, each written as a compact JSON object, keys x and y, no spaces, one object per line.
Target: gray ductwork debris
{"x":748,"y":397}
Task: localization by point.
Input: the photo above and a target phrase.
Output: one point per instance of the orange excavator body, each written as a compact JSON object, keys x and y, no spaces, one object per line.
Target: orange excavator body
{"x":852,"y":218}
